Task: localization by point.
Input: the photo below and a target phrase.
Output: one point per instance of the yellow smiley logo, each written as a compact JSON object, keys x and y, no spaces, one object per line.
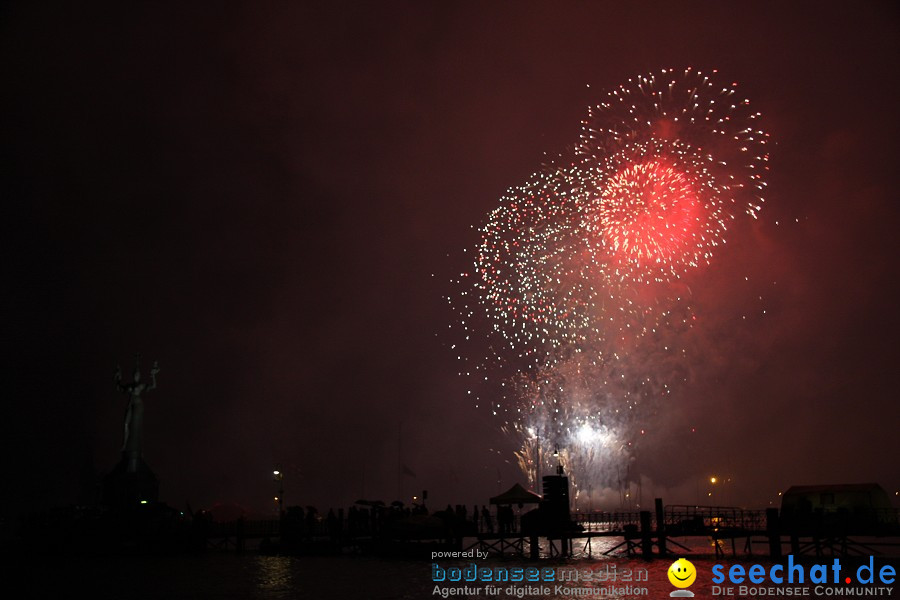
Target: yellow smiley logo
{"x":682,"y":573}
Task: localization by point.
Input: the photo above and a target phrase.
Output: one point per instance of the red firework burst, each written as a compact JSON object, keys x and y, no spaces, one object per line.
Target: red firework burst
{"x":650,"y":214}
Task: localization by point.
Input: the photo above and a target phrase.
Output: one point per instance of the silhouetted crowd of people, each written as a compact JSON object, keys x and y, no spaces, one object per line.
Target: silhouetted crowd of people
{"x":377,"y":519}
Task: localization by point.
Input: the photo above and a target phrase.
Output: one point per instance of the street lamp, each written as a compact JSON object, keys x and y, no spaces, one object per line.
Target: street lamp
{"x":279,"y":479}
{"x":724,"y":492}
{"x":559,"y":467}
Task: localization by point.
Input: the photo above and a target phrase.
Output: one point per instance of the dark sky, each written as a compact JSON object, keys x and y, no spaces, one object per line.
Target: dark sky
{"x":272,"y":202}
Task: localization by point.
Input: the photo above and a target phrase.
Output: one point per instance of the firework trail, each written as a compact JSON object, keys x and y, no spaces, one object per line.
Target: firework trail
{"x":577,"y":282}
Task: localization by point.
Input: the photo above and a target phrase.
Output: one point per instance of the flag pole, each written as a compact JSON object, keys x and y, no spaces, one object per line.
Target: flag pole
{"x":400,"y":461}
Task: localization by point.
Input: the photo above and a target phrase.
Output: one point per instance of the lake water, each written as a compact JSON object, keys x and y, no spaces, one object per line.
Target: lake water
{"x":250,"y":576}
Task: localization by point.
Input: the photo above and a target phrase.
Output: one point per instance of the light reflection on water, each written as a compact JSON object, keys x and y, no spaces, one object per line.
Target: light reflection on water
{"x":274,"y":577}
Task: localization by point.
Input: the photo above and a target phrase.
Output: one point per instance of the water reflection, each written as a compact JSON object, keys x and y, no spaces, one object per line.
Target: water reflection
{"x":274,"y":576}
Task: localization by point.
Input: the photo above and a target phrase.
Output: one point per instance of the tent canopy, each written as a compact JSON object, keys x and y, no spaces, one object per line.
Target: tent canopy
{"x":516,"y":495}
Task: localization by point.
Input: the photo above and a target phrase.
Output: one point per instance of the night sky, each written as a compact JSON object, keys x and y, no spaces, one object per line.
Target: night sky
{"x":273,"y":201}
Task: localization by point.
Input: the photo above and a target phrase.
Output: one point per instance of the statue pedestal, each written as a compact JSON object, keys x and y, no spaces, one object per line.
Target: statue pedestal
{"x":124,"y":487}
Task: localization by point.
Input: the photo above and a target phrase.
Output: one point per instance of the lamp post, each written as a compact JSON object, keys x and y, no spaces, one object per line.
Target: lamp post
{"x":724,"y":488}
{"x":279,"y":479}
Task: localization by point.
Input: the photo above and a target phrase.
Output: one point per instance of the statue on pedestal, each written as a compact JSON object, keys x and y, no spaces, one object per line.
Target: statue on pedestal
{"x":132,"y":481}
{"x":134,"y":415}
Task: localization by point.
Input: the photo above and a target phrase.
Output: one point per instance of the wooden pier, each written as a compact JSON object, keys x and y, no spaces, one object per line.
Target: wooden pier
{"x":649,"y":534}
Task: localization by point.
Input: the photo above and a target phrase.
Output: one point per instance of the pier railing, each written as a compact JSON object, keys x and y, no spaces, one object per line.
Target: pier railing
{"x":691,"y":518}
{"x":599,"y":522}
{"x":677,"y":517}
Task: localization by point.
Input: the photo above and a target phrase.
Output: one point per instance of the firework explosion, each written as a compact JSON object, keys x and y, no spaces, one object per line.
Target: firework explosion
{"x":577,"y":279}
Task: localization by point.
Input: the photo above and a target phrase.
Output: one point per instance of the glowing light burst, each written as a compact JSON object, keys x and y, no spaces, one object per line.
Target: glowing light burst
{"x":586,"y":410}
{"x":576,"y":280}
{"x":575,"y":414}
{"x":660,"y":212}
{"x":648,"y":212}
